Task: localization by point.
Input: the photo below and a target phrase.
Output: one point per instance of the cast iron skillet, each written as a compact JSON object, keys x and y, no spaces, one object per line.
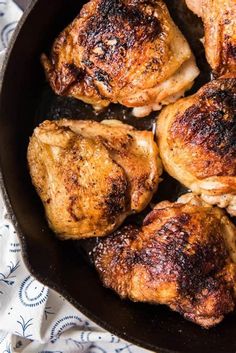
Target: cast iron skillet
{"x":64,"y":266}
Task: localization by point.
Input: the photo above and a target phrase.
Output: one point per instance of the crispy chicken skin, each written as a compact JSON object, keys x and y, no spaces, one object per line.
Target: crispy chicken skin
{"x":219,"y":17}
{"x":182,"y":256}
{"x":122,"y":51}
{"x":197,"y":141}
{"x":91,"y":176}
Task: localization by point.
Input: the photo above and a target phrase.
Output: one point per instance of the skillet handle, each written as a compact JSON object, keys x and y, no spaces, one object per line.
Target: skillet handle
{"x":22,"y":3}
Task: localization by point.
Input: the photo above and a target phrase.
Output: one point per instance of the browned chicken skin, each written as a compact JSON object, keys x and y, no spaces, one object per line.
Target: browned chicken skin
{"x":122,"y":51}
{"x":219,"y":18}
{"x":91,"y":176}
{"x":197,"y":141}
{"x":183,"y":256}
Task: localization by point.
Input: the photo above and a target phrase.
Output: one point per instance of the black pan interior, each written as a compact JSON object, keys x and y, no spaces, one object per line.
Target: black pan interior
{"x":27,"y":100}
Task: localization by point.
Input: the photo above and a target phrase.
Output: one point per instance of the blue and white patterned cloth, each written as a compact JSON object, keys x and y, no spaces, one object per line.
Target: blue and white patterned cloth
{"x":34,"y":318}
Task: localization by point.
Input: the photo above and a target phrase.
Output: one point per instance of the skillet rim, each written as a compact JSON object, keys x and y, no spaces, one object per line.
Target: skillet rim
{"x":11,"y":216}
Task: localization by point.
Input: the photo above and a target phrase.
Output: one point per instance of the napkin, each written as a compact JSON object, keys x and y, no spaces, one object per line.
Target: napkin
{"x":34,"y":318}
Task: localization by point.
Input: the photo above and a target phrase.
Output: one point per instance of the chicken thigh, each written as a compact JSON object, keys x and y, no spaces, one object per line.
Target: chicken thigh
{"x":183,"y":256}
{"x":91,"y":176}
{"x":219,"y":18}
{"x":122,"y":51}
{"x":197,"y":141}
